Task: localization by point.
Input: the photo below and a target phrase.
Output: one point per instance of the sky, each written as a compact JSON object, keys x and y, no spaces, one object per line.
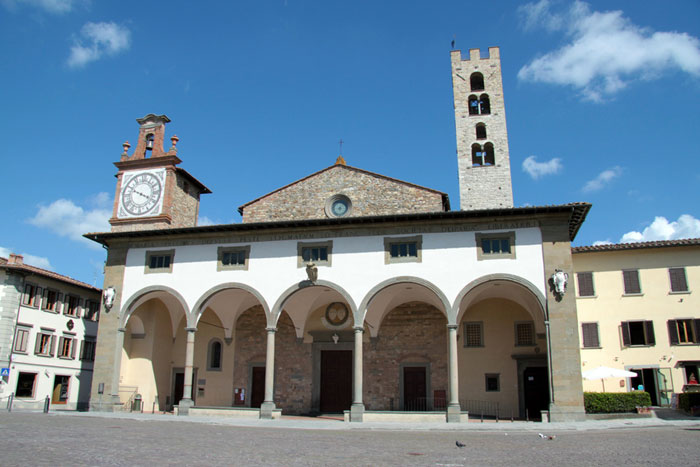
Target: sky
{"x":602,"y":106}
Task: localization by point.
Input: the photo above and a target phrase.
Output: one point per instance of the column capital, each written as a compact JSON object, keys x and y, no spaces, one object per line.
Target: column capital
{"x":272,"y":329}
{"x":358,"y":328}
{"x":191,"y":329}
{"x":453,"y":326}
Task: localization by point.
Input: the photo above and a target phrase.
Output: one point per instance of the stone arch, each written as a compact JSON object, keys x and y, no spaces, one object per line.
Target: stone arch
{"x":140,"y":296}
{"x":274,"y":315}
{"x":529,"y":286}
{"x":201,"y":303}
{"x":362,"y":310}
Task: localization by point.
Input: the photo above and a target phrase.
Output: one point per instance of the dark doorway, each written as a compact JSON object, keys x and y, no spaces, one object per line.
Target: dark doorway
{"x":414,"y":388}
{"x":60,"y":389}
{"x":257,"y":386}
{"x":646,"y":379}
{"x":336,"y":380}
{"x":536,"y":391}
{"x":179,"y":386}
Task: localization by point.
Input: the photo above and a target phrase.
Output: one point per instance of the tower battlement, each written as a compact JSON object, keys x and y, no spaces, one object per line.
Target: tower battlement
{"x":475,"y":54}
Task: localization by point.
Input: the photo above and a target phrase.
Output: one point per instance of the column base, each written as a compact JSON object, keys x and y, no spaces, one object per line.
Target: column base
{"x":357,"y":412}
{"x":183,"y":408}
{"x":565,"y":413}
{"x":266,"y":409}
{"x":454,"y":413}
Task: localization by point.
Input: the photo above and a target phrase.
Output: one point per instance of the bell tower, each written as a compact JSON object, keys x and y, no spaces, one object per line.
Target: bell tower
{"x":152,"y":191}
{"x":482,"y":138}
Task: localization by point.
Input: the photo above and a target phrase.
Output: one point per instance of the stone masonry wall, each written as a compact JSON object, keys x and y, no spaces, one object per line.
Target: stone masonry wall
{"x":10,"y":295}
{"x":411,"y":333}
{"x":481,"y":187}
{"x":370,"y":195}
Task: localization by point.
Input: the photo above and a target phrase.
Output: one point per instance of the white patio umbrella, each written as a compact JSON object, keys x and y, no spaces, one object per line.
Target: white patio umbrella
{"x":603,"y":372}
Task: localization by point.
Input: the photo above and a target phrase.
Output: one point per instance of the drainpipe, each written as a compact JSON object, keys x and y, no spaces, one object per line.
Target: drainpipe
{"x":549,"y":355}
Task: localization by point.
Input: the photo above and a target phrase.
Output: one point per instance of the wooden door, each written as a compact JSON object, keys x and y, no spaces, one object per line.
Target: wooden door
{"x":414,"y":388}
{"x":336,"y":380}
{"x":536,"y":391}
{"x":257,"y":386}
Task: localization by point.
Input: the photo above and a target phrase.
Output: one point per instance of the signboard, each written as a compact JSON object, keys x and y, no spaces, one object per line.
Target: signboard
{"x":4,"y":372}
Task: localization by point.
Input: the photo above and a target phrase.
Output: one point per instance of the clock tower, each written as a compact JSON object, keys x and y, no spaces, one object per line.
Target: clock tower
{"x":152,"y":191}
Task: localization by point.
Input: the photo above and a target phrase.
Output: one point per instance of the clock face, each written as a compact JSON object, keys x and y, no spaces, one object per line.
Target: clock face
{"x":142,"y":194}
{"x":339,"y":207}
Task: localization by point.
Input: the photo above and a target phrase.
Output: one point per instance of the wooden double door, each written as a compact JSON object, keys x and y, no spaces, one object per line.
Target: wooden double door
{"x":336,"y":381}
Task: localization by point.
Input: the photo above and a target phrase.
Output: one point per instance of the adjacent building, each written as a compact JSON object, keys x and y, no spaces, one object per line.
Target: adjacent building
{"x":639,"y":310}
{"x":48,"y":332}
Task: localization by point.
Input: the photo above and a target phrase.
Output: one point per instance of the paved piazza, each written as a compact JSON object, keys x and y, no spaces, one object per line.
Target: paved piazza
{"x":63,"y":439}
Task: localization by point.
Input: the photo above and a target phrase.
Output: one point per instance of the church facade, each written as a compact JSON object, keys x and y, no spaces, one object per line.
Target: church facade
{"x":345,"y":291}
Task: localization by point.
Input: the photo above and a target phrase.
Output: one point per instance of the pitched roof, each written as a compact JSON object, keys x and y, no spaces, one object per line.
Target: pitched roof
{"x":27,"y":269}
{"x":445,"y":198}
{"x":577,"y":214}
{"x":636,"y":246}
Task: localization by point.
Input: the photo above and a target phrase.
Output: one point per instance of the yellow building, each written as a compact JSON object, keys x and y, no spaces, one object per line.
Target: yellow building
{"x":638,"y":311}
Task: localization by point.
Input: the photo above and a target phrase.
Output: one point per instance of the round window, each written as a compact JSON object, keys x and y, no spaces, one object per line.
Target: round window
{"x":338,"y":206}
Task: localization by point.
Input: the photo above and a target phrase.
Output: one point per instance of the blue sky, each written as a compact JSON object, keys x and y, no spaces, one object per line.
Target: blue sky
{"x":602,"y":105}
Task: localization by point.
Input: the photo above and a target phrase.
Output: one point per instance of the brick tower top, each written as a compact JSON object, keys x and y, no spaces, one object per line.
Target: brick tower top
{"x":151,"y":139}
{"x":482,"y":138}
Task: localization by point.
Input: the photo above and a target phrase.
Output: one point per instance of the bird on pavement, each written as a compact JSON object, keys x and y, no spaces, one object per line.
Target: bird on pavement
{"x":459,"y":445}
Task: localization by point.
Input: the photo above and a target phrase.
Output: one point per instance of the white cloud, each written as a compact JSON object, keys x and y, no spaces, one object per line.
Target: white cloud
{"x":602,"y":242}
{"x":98,"y":39}
{"x":204,"y":220}
{"x":50,"y":6}
{"x":603,"y":178}
{"x":65,"y":218}
{"x":605,"y":51}
{"x":661,"y":229}
{"x":539,"y":169}
{"x":38,"y":261}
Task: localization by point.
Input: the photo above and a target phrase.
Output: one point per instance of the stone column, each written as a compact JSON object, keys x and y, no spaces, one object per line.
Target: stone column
{"x":268,"y":405}
{"x":116,"y":369}
{"x":187,"y":402}
{"x":453,"y":408}
{"x":358,"y":408}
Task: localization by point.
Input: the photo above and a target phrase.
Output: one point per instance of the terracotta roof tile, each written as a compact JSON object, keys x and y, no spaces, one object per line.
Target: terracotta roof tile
{"x":46,"y":273}
{"x":637,"y":246}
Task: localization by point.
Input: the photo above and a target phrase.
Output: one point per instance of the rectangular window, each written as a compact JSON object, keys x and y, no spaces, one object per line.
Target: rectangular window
{"x":159,"y":261}
{"x":25,"y":385}
{"x":88,"y":350}
{"x":21,"y":340}
{"x":678,"y":281}
{"x":231,"y":258}
{"x":495,"y":246}
{"x":585,"y":284}
{"x":631,"y":282}
{"x":590,"y":335}
{"x":92,"y":309}
{"x":524,"y":333}
{"x":71,"y":305}
{"x":50,"y":300}
{"x":45,"y":344}
{"x":66,"y":347}
{"x":684,"y":331}
{"x":29,"y":298}
{"x":403,"y":249}
{"x":318,"y":253}
{"x":493,"y":383}
{"x":474,"y":334}
{"x":638,"y":333}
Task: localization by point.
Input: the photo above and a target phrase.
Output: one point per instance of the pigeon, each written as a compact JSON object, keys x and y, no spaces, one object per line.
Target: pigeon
{"x":459,"y":445}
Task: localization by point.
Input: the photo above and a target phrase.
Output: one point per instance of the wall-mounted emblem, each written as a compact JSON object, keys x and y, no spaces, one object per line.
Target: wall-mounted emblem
{"x":558,"y":282}
{"x":108,"y":296}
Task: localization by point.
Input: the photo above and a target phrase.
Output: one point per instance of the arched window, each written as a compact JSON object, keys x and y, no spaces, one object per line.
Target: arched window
{"x":477,"y":81}
{"x":477,"y":156}
{"x":480,"y":131}
{"x":473,"y":105}
{"x":214,"y":355}
{"x":484,"y":105}
{"x":489,"y":157}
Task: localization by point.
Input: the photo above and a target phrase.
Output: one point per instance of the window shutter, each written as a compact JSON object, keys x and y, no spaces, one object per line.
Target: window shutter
{"x":37,"y":346}
{"x":42,"y":293}
{"x":631,"y":281}
{"x":72,"y":348}
{"x":678,"y":282}
{"x":625,"y":333}
{"x":59,"y":302}
{"x":79,"y":311}
{"x":590,"y":335}
{"x":82,"y":350}
{"x":651,"y":340}
{"x":672,"y":332}
{"x":696,"y":325}
{"x":53,"y":345}
{"x":585,"y":284}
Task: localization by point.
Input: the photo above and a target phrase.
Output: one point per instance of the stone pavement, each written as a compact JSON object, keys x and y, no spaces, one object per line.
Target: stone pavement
{"x":69,"y":438}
